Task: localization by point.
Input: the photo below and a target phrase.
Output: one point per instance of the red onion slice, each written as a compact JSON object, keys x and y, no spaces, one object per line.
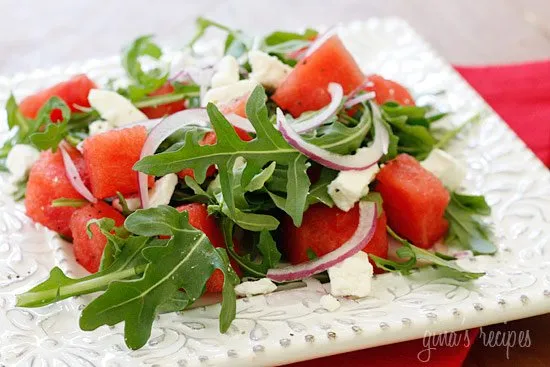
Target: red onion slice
{"x":240,"y":122}
{"x":163,"y":130}
{"x":337,"y":96}
{"x":359,"y":99}
{"x":74,"y":177}
{"x":362,"y":159}
{"x":319,"y":41}
{"x":361,"y":237}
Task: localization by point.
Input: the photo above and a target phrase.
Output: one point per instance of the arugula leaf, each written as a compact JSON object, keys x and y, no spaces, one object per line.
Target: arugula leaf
{"x":185,"y":262}
{"x":143,"y":82}
{"x":259,"y":180}
{"x":270,"y":255}
{"x":415,"y":140}
{"x":448,"y":136}
{"x":464,"y":228}
{"x":279,"y":37}
{"x":297,"y":189}
{"x":318,"y":193}
{"x":416,"y":115}
{"x":54,"y":132}
{"x":15,"y":117}
{"x":58,"y":286}
{"x":116,"y":239}
{"x":73,"y":203}
{"x":236,"y":42}
{"x":412,"y":254}
{"x":268,"y":146}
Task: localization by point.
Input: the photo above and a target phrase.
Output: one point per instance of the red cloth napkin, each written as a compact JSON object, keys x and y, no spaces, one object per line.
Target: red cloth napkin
{"x":520,"y":94}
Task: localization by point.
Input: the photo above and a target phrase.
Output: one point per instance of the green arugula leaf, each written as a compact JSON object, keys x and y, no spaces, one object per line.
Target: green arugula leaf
{"x":297,"y":189}
{"x":465,"y":230}
{"x":58,"y":286}
{"x":412,"y":254}
{"x":279,"y":37}
{"x":318,"y":193}
{"x":143,"y":82}
{"x":185,"y":262}
{"x":450,"y":135}
{"x":270,"y":255}
{"x":72,"y":203}
{"x":54,"y":132}
{"x":416,"y":115}
{"x":235,"y":44}
{"x":15,"y":117}
{"x":116,"y":239}
{"x":259,"y":180}
{"x":415,"y":140}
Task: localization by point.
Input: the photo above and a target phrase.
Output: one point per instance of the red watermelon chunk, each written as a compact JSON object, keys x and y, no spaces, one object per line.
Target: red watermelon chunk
{"x":305,"y":88}
{"x":387,"y":90}
{"x":199,"y":218}
{"x":73,"y":91}
{"x":88,"y":251}
{"x":414,"y":200}
{"x":110,"y":158}
{"x":165,"y":109}
{"x":325,"y":229}
{"x":48,"y":182}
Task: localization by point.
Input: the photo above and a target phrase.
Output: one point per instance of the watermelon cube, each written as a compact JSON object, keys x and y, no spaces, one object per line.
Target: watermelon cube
{"x":325,"y":229}
{"x":73,"y":91}
{"x":48,"y":182}
{"x":414,"y":200}
{"x":110,"y":158}
{"x":165,"y":109}
{"x":305,"y":88}
{"x":88,"y":251}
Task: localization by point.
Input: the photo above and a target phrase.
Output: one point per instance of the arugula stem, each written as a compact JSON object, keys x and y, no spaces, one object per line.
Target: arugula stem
{"x":164,"y":99}
{"x":450,"y":135}
{"x":93,"y":284}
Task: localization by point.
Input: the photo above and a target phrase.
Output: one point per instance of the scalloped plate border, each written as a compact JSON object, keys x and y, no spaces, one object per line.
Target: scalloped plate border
{"x":290,"y":326}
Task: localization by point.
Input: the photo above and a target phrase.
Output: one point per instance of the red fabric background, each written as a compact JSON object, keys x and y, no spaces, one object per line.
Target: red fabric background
{"x":520,"y":94}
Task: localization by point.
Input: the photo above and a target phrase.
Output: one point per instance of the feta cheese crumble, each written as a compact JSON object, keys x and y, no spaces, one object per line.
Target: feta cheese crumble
{"x":267,"y":70}
{"x":252,"y":288}
{"x":329,"y":303}
{"x":160,"y":194}
{"x":450,"y":171}
{"x":227,"y":93}
{"x":227,"y":72}
{"x":114,"y":108}
{"x":351,"y":277}
{"x":20,"y":161}
{"x":350,"y":186}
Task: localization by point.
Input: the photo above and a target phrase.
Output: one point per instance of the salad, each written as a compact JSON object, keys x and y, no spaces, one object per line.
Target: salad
{"x":276,"y":160}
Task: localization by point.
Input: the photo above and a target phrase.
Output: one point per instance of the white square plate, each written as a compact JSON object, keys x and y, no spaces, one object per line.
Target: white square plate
{"x":290,"y":326}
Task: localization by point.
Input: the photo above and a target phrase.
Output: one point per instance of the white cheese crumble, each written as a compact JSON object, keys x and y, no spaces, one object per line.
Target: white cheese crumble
{"x":227,"y":93}
{"x":227,"y":72}
{"x":450,"y":171}
{"x":20,"y":161}
{"x":351,"y":277}
{"x":329,"y":303}
{"x":252,"y":288}
{"x":267,"y":70}
{"x":99,"y":127}
{"x":114,"y":108}
{"x":160,"y":194}
{"x":350,"y":186}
